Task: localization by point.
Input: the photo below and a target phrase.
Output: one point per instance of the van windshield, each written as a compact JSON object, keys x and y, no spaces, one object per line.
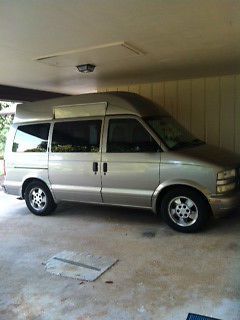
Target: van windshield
{"x":172,"y":133}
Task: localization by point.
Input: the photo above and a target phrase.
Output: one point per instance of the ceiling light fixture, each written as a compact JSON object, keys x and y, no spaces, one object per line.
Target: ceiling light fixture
{"x":86,"y":68}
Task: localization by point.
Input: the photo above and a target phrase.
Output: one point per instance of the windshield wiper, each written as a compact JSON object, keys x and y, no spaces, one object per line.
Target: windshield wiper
{"x":198,"y":142}
{"x":182,"y":144}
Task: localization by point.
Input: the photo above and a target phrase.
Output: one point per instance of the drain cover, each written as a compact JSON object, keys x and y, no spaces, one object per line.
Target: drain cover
{"x":81,"y":266}
{"x":192,"y":316}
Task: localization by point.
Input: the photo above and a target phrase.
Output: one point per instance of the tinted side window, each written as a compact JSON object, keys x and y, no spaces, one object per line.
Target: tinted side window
{"x":128,"y":135}
{"x":76,"y":136}
{"x":31,"y":138}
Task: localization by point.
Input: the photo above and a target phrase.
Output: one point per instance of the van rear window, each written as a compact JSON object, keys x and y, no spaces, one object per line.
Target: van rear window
{"x":31,"y":138}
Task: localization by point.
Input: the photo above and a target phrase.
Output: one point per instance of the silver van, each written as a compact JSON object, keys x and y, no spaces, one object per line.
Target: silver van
{"x":117,"y":149}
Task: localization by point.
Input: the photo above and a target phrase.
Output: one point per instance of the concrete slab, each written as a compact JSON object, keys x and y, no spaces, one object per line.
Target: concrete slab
{"x":79,"y":265}
{"x":163,"y":276}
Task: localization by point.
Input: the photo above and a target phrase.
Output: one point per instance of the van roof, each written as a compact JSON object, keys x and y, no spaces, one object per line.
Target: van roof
{"x":114,"y":103}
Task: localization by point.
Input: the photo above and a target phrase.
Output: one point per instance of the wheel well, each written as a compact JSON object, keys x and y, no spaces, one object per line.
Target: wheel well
{"x":26,"y":183}
{"x":168,"y":188}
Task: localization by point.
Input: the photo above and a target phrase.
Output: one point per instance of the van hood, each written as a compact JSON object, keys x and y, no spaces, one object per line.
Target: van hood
{"x":205,"y":155}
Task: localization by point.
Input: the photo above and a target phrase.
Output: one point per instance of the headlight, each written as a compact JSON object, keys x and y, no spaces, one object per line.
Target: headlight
{"x":226,"y":174}
{"x":226,"y":180}
{"x":226,"y":187}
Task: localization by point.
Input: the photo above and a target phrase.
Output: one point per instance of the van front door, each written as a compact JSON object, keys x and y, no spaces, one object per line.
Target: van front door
{"x":74,"y":160}
{"x":130,"y":163}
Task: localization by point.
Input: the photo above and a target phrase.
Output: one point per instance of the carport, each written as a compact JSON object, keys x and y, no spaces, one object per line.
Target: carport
{"x":183,"y":55}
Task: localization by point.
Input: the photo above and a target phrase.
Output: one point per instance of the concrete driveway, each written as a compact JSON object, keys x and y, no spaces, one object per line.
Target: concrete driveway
{"x":163,"y":277}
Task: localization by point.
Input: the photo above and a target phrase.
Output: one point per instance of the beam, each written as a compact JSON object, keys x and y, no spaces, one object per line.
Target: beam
{"x":8,"y":93}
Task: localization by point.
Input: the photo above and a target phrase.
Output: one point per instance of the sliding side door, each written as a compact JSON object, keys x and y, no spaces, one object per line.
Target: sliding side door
{"x":74,"y":160}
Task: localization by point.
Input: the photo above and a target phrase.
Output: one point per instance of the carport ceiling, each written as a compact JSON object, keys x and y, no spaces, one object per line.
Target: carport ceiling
{"x":128,"y":41}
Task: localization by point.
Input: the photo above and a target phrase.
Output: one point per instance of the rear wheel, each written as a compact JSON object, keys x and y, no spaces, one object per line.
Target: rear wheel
{"x":185,"y":209}
{"x":39,"y":199}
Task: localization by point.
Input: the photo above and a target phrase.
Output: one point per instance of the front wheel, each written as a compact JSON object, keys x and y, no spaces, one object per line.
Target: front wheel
{"x":185,"y":209}
{"x":39,"y":199}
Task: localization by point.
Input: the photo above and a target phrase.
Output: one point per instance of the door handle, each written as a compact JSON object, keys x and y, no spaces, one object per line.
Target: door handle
{"x":104,"y":167}
{"x":95,"y":167}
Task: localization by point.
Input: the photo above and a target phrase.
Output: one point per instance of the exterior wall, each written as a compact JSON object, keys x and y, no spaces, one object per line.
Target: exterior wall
{"x":208,"y":107}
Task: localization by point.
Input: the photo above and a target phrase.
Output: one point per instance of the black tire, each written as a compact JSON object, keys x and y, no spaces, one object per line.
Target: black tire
{"x":187,"y":207}
{"x":43,"y":203}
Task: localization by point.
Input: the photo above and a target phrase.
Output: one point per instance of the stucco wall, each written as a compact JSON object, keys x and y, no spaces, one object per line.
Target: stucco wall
{"x":208,"y":107}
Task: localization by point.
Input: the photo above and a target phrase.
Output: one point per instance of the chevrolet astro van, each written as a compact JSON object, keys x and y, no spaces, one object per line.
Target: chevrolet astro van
{"x":119,"y":149}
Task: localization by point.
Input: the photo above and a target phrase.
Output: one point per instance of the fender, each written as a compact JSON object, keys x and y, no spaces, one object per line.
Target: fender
{"x":42,"y":175}
{"x":175,"y":182}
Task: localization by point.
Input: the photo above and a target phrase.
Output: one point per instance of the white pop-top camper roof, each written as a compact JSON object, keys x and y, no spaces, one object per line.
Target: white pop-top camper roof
{"x":87,"y":105}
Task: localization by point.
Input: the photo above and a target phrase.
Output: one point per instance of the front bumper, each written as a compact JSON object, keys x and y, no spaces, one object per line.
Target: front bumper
{"x":221,"y":204}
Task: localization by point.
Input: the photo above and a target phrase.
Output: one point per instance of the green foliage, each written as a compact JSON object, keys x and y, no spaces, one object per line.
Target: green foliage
{"x":5,"y":123}
{"x":71,"y":148}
